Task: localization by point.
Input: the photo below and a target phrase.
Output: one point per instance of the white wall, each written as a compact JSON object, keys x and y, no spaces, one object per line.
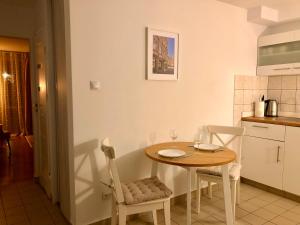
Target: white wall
{"x":108,"y":44}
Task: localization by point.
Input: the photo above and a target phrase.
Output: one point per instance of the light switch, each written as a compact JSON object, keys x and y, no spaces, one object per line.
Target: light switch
{"x":95,"y":85}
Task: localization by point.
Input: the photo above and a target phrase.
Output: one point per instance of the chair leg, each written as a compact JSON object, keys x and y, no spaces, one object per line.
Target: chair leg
{"x":209,"y":190}
{"x":198,"y":194}
{"x":238,"y":191}
{"x":167,"y":212}
{"x":9,"y":147}
{"x":122,"y":215}
{"x":114,"y":212}
{"x":154,"y":214}
{"x":233,"y":195}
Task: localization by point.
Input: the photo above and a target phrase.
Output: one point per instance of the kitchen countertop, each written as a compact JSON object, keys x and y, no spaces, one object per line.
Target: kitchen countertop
{"x":286,"y":121}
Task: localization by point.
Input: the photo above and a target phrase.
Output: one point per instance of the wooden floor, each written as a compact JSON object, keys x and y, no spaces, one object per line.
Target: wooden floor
{"x":20,"y":166}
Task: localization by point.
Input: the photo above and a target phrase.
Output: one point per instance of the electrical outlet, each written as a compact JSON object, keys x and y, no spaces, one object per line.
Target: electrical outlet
{"x":106,"y":195}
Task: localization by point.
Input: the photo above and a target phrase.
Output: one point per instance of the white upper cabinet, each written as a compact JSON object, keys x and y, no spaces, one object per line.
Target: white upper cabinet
{"x":279,"y":54}
{"x":274,"y":39}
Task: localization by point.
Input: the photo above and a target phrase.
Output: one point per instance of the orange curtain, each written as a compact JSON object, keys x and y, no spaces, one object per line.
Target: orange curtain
{"x":15,"y":95}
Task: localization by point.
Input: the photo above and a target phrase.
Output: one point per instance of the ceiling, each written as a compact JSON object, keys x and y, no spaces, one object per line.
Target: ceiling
{"x":275,"y":4}
{"x":288,"y":10}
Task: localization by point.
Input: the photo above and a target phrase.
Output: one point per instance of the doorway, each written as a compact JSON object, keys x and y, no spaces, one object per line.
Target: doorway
{"x":16,"y":130}
{"x":45,"y":24}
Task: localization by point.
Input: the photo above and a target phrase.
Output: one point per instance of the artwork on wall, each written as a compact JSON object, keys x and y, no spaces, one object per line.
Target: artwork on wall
{"x":162,"y":55}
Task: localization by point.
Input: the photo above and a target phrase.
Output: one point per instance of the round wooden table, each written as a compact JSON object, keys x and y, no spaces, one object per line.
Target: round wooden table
{"x":196,"y":158}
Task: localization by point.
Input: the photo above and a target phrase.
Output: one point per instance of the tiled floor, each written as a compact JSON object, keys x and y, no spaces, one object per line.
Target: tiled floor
{"x":257,"y":207}
{"x":23,"y":202}
{"x":26,"y":204}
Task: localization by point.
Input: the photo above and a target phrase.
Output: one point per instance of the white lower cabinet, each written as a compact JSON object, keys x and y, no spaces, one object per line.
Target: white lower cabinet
{"x":271,"y":156}
{"x":291,"y":178}
{"x":262,"y":161}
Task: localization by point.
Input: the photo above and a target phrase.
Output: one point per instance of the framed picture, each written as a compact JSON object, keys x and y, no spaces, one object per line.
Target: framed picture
{"x":162,"y":55}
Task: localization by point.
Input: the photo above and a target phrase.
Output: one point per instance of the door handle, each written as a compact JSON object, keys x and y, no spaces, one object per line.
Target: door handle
{"x":287,"y":68}
{"x":256,"y":126}
{"x":36,"y":107}
{"x":278,"y":152}
{"x":298,"y":67}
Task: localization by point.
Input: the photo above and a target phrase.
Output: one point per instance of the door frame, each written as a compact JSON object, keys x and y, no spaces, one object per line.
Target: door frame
{"x":64,"y":107}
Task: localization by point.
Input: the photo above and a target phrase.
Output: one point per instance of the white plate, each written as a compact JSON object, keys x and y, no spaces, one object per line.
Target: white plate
{"x":208,"y":147}
{"x":171,"y":153}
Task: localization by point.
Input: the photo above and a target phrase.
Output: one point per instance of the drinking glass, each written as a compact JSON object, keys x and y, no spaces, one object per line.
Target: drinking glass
{"x":197,"y":142}
{"x":173,"y":134}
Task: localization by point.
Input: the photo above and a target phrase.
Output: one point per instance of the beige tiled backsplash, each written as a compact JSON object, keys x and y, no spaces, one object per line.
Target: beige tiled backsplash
{"x":288,"y":82}
{"x":286,"y":90}
{"x":275,"y":83}
{"x":248,"y":89}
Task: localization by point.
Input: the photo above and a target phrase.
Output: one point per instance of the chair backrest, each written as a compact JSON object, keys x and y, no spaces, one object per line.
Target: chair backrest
{"x":234,"y":132}
{"x":112,"y":169}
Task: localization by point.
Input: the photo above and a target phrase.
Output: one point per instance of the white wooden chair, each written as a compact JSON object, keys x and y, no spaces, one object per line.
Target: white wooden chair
{"x":214,"y":175}
{"x":139,"y":196}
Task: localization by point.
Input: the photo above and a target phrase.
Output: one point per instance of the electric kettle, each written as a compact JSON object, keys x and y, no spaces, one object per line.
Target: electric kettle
{"x":271,"y":108}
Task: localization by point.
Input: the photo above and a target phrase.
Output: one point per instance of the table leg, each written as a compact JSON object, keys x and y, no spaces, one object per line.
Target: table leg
{"x":189,"y":197}
{"x":227,"y":195}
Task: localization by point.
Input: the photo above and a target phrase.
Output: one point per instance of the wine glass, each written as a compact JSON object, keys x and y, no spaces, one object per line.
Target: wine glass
{"x":197,"y":142}
{"x":173,"y":134}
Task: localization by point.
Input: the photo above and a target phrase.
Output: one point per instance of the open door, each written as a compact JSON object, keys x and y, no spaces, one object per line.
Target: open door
{"x":42,"y":117}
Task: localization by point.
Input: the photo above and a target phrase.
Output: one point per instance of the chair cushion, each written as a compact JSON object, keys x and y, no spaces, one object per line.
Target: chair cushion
{"x":234,"y":171}
{"x":144,"y":190}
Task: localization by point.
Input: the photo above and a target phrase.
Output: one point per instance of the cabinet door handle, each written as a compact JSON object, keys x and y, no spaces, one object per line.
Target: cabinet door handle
{"x":260,"y":126}
{"x":298,"y":67}
{"x":278,"y":152}
{"x":287,"y":68}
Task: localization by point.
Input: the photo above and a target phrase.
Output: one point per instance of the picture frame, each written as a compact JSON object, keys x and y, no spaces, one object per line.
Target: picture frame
{"x":162,"y":55}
